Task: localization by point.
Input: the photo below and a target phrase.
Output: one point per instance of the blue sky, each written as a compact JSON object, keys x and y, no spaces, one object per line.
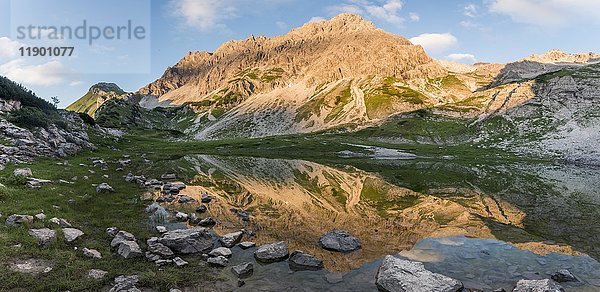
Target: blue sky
{"x":462,"y":30}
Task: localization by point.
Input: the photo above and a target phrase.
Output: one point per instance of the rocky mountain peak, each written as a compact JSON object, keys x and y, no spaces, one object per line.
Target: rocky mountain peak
{"x":342,"y":23}
{"x":558,"y":56}
{"x":105,"y":87}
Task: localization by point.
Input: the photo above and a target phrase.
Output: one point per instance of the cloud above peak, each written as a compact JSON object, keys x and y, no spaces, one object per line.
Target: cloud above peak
{"x":388,"y":10}
{"x":203,"y":15}
{"x":435,"y":43}
{"x":553,"y":13}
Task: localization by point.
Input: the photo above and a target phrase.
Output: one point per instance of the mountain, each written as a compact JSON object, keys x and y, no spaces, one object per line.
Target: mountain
{"x":96,"y":97}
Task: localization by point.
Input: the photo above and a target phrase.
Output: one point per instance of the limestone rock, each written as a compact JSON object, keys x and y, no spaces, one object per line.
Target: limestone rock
{"x":44,"y":236}
{"x":14,"y":220}
{"x":220,"y":251}
{"x":91,"y":253}
{"x":104,"y":188}
{"x":219,"y":261}
{"x":231,"y":239}
{"x":71,"y":234}
{"x":272,"y":252}
{"x":303,"y":261}
{"x":339,"y":240}
{"x":402,"y":275}
{"x":129,"y":249}
{"x":187,"y":241}
{"x":120,"y":237}
{"x":97,"y":274}
{"x":545,"y":285}
{"x":243,"y":270}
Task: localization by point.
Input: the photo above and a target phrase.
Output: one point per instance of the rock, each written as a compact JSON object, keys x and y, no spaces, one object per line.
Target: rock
{"x":125,"y":283}
{"x":218,"y":261}
{"x":97,"y":274}
{"x":181,"y":217}
{"x":179,"y":262}
{"x":302,"y":261}
{"x":25,"y":172}
{"x":194,"y":219}
{"x":402,"y":275}
{"x":206,"y":199}
{"x":240,"y":282}
{"x":60,"y":222}
{"x":112,"y":231}
{"x":161,"y":229}
{"x":71,"y":234}
{"x":247,"y":244}
{"x":231,"y":239}
{"x":168,"y":176}
{"x":104,"y":188}
{"x":545,"y":285}
{"x":174,"y":290}
{"x":201,"y":209}
{"x":272,"y":252}
{"x":92,"y":253}
{"x":220,"y":251}
{"x":121,"y":237}
{"x":40,"y":216}
{"x":160,"y":263}
{"x":563,"y":276}
{"x":14,"y":220}
{"x":243,"y":270}
{"x":207,"y":222}
{"x":44,"y":236}
{"x":129,"y":249}
{"x":187,"y":241}
{"x":340,"y":241}
{"x":158,"y":248}
{"x":184,"y":199}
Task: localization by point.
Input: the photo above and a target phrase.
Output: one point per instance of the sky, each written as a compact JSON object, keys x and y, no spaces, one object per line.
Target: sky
{"x":465,"y":31}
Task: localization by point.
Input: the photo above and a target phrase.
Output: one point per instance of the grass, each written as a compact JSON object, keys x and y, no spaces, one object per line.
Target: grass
{"x":381,"y":101}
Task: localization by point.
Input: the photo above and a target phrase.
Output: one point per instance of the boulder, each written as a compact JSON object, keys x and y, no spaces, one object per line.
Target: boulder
{"x":179,"y":262}
{"x":231,"y":239}
{"x":121,"y":237}
{"x":40,"y":216}
{"x":14,"y":220}
{"x":545,"y":285}
{"x":60,"y":222}
{"x":206,"y":199}
{"x":125,"y":283}
{"x":243,"y":270}
{"x":272,"y":252}
{"x":220,"y":251}
{"x":44,"y":236}
{"x":71,"y":234}
{"x":97,"y":274}
{"x":218,"y":261}
{"x":161,"y":229}
{"x":181,"y":217}
{"x":340,"y":241}
{"x":104,"y":188}
{"x":25,"y":172}
{"x":158,"y":248}
{"x":187,"y":241}
{"x":302,"y":261}
{"x":92,"y":253}
{"x":246,"y":244}
{"x":563,"y":276}
{"x":129,"y":249}
{"x":207,"y":222}
{"x":403,"y":275}
{"x":184,"y":199}
{"x":112,"y":231}
{"x":201,"y":209}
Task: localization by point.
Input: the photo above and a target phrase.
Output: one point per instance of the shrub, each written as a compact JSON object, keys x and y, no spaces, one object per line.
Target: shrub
{"x":29,"y":117}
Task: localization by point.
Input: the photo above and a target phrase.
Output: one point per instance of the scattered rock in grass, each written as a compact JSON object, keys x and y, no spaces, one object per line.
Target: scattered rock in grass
{"x":185,"y":199}
{"x":243,"y":270}
{"x":181,"y":217}
{"x":207,"y":222}
{"x":161,"y":229}
{"x":24,"y":172}
{"x":40,"y":216}
{"x":300,"y":261}
{"x":272,"y":252}
{"x":112,"y":231}
{"x":104,"y":188}
{"x":129,"y":249}
{"x":403,"y":275}
{"x":125,"y":284}
{"x":193,"y":219}
{"x":340,"y":241}
{"x":220,"y":251}
{"x":201,"y":209}
{"x":188,"y":241}
{"x":219,"y":261}
{"x":231,"y":239}
{"x":30,"y":266}
{"x":160,"y":263}
{"x":121,"y":237}
{"x":168,"y":176}
{"x":97,"y":274}
{"x":91,"y":253}
{"x":14,"y":220}
{"x":158,"y":248}
{"x":247,"y":244}
{"x":206,"y":199}
{"x":71,"y":234}
{"x":60,"y":222}
{"x":174,"y":290}
{"x":545,"y":285}
{"x":179,"y":262}
{"x":44,"y":236}
{"x":563,"y":276}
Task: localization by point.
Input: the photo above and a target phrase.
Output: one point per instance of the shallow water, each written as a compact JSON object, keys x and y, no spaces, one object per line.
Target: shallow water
{"x":520,"y":219}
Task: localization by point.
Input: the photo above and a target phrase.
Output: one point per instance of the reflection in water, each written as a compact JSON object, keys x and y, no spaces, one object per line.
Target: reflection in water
{"x":297,"y":201}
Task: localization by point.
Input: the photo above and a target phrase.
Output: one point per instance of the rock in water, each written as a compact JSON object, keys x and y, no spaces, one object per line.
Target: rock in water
{"x":302,"y":261}
{"x":129,"y":249}
{"x":220,"y":251}
{"x":231,"y":239}
{"x":246,"y":244}
{"x":218,"y":261}
{"x":44,"y":236}
{"x":545,"y":285}
{"x":71,"y":234}
{"x":104,"y":188}
{"x":339,"y":240}
{"x":563,"y":276}
{"x":272,"y":252}
{"x":187,"y":241}
{"x":243,"y":270}
{"x":402,"y":275}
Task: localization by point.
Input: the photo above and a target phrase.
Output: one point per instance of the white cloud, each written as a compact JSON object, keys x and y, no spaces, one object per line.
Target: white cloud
{"x":462,"y":58}
{"x":435,"y":42}
{"x":470,"y":10}
{"x":47,"y":74}
{"x":414,"y":17}
{"x":548,"y":12}
{"x":388,"y":10}
{"x":8,"y":48}
{"x":76,"y":83}
{"x":204,"y":15}
{"x":468,"y":24}
{"x":317,"y":19}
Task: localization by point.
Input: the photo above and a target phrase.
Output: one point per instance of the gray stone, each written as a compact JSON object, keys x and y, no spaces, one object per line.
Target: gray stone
{"x":220,"y":251}
{"x":201,"y":209}
{"x":247,"y":244}
{"x":158,"y":248}
{"x":174,"y":290}
{"x":187,"y":241}
{"x":302,"y":261}
{"x":272,"y":252}
{"x":44,"y":236}
{"x":120,"y":237}
{"x":181,"y":217}
{"x":125,"y":283}
{"x":71,"y":234}
{"x":129,"y":249}
{"x":112,"y":231}
{"x":218,"y":261}
{"x":231,"y":239}
{"x":160,"y":263}
{"x":104,"y":188}
{"x":179,"y":262}
{"x":340,"y":241}
{"x":26,"y":172}
{"x":402,"y":275}
{"x":563,"y":276}
{"x":40,"y":216}
{"x":161,"y":229}
{"x":206,"y":222}
{"x":184,"y":199}
{"x":14,"y":220}
{"x":92,"y":253}
{"x":243,"y":270}
{"x":545,"y":285}
{"x":97,"y":274}
{"x":60,"y":222}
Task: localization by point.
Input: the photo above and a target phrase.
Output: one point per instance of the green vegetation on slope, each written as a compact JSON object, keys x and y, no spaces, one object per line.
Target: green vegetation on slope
{"x":380,"y":102}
